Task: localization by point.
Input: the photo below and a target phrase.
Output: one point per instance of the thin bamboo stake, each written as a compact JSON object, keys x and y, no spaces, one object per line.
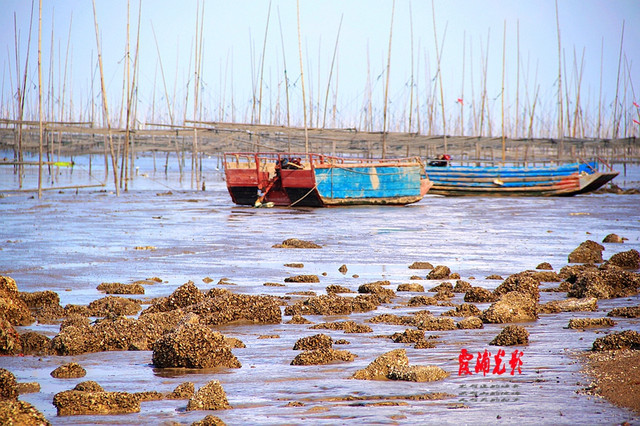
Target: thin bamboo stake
{"x":304,"y":101}
{"x":22,"y":89}
{"x":616,"y":121}
{"x":560,"y":111}
{"x":386,"y":86}
{"x":412,"y":68}
{"x":286,"y":79}
{"x":105,"y":105}
{"x":333,"y":60}
{"x":264,"y":48}
{"x":435,"y":36}
{"x":504,"y":54}
{"x":40,"y":110}
{"x":599,"y":128}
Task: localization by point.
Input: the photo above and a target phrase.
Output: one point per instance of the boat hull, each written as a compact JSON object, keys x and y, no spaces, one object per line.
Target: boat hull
{"x":564,"y":180}
{"x":323,"y":181}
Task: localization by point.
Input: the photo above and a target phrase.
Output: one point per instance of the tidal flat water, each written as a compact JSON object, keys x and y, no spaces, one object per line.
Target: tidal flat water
{"x":71,"y":241}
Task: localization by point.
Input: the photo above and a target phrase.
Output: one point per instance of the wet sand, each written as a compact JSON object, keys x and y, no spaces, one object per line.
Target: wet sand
{"x":72,"y":242}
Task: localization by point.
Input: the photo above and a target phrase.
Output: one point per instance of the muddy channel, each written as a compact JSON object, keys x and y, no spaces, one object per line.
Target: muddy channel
{"x":71,"y":241}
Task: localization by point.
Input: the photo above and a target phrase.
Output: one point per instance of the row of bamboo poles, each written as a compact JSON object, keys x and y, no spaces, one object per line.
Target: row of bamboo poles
{"x":120,"y":145}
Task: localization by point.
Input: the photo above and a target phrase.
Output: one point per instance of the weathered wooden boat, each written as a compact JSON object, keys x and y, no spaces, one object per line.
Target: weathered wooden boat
{"x":554,"y":180}
{"x":316,"y":180}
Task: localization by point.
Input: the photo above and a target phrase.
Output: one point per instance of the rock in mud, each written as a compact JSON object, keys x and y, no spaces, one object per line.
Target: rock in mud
{"x":119,"y":288}
{"x":298,"y":319}
{"x":416,"y":288}
{"x":317,"y":341}
{"x":521,"y":282}
{"x":461,"y":286}
{"x":35,"y":343}
{"x":209,"y":397}
{"x":322,"y":356}
{"x":470,"y":323}
{"x":302,"y":279}
{"x":343,"y":269}
{"x":72,"y":370}
{"x":606,"y":283}
{"x":580,"y":323}
{"x":192,"y":345}
{"x":21,"y":413}
{"x":8,"y":386}
{"x":209,"y":420}
{"x":378,"y":289}
{"x":587,"y":252}
{"x":445,"y":286}
{"x":545,"y":266}
{"x":394,"y":319}
{"x":10,"y":341}
{"x":417,"y":373}
{"x":229,"y":307}
{"x":296,"y":243}
{"x":12,"y":307}
{"x":511,"y":335}
{"x":44,"y":305}
{"x":408,"y":336}
{"x":422,"y":301}
{"x":494,"y":277}
{"x":380,"y":368}
{"x":545,"y":276}
{"x":463,"y":310}
{"x":626,"y":259}
{"x":570,"y":273}
{"x":294,"y":265}
{"x":184,"y":390}
{"x":512,"y":307}
{"x":431,"y":323}
{"x":627,"y":339}
{"x":440,"y":272}
{"x":88,"y":386}
{"x":421,"y":265}
{"x":28,"y":387}
{"x":479,"y":295}
{"x":185,"y":295}
{"x":625,"y":312}
{"x":613,"y":238}
{"x":75,"y":403}
{"x":332,"y":304}
{"x":569,"y":305}
{"x":346,"y":326}
{"x":113,"y":306}
{"x":335,"y":289}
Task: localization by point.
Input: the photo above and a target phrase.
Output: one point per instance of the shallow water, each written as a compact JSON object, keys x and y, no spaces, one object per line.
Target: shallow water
{"x":70,"y":242}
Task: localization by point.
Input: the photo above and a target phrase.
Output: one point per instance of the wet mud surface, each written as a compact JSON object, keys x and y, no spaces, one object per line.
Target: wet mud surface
{"x":70,"y":243}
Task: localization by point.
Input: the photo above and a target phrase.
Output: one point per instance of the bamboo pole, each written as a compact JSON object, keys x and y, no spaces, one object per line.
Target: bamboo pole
{"x":504,"y":54}
{"x":333,"y":60}
{"x":439,"y":75}
{"x":616,"y":121}
{"x":264,"y":48}
{"x":386,"y":86}
{"x":412,"y":68}
{"x":286,"y":79}
{"x":40,"y":110}
{"x":105,"y":105}
{"x":304,"y":101}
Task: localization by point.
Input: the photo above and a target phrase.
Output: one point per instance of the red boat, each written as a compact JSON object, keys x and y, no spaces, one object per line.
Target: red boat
{"x":316,"y":180}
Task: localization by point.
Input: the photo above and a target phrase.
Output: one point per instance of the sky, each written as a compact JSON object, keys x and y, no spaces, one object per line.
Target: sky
{"x":462,"y":92}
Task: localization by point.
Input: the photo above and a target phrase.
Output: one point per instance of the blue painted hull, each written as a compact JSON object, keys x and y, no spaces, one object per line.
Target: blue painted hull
{"x":371,"y":184}
{"x":562,"y":180}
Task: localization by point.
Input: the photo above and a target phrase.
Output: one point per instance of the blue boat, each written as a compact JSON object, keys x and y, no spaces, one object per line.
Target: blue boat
{"x":316,"y":180}
{"x":559,"y":180}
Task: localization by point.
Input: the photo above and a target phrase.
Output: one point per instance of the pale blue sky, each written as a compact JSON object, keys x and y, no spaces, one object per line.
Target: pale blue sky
{"x":234,"y":36}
